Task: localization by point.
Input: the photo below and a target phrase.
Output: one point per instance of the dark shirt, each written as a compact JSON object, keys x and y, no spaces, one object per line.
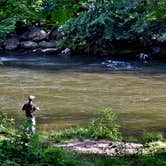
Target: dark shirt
{"x":29,"y":109}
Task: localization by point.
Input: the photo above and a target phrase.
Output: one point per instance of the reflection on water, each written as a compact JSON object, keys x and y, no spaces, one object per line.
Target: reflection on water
{"x":70,"y":92}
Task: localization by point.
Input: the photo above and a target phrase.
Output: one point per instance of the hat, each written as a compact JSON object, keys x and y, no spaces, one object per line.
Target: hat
{"x":31,"y":97}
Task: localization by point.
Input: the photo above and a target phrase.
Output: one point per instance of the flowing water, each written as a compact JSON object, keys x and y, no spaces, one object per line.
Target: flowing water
{"x":71,"y":91}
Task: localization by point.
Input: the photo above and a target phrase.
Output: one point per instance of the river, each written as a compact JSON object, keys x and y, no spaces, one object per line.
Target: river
{"x":72,"y":91}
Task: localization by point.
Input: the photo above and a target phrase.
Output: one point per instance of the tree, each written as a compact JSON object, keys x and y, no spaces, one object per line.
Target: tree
{"x":12,"y":11}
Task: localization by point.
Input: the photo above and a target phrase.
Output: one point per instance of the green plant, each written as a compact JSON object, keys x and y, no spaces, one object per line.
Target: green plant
{"x":104,"y":127}
{"x":70,"y":133}
{"x":23,"y":149}
{"x":59,"y":157}
{"x":152,"y":136}
{"x":130,"y":139}
{"x":6,"y":124}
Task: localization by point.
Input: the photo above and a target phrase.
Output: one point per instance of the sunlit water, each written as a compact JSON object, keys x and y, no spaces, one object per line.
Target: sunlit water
{"x":71,"y":91}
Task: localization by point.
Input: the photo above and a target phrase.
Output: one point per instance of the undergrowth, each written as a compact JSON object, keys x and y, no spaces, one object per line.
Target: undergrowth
{"x":104,"y":127}
{"x":20,"y":149}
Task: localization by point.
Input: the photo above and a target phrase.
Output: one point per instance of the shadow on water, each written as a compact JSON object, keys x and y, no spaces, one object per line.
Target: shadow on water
{"x":90,"y":64}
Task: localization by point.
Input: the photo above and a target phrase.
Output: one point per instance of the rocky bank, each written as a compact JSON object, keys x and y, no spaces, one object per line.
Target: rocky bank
{"x":35,"y":40}
{"x":104,"y":147}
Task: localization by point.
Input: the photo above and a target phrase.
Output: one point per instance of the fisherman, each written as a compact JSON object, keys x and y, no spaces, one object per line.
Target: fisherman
{"x":30,"y":108}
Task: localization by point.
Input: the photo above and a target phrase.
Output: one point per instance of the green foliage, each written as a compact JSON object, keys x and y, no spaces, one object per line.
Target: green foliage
{"x":6,"y":124}
{"x":60,"y":11}
{"x":70,"y":133}
{"x":146,"y":161}
{"x":155,"y":148}
{"x":12,"y":11}
{"x":59,"y":157}
{"x":99,"y":128}
{"x":152,"y":136}
{"x":24,"y":9}
{"x":105,"y":127}
{"x":96,"y":30}
{"x":108,"y":25}
{"x":103,"y":160}
{"x":91,"y":26}
{"x":22,"y":149}
{"x":7,"y":26}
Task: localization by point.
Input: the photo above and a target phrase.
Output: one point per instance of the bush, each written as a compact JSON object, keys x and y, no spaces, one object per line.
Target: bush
{"x":152,"y":136}
{"x":6,"y":124}
{"x":70,"y":133}
{"x":57,"y":156}
{"x":21,"y":149}
{"x":105,"y":127}
{"x":101,"y":28}
{"x":99,"y":128}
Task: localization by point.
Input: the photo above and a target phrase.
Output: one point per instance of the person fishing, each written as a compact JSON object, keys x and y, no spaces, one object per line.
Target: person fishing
{"x":30,"y":108}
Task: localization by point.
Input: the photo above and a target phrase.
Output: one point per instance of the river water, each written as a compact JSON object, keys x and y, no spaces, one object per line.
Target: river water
{"x":72,"y":91}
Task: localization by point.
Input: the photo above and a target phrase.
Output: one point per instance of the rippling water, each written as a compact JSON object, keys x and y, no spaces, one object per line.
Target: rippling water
{"x":71,"y":91}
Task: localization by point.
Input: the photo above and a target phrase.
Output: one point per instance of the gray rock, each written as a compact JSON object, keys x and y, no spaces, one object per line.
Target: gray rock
{"x":12,"y":43}
{"x":49,"y":50}
{"x":143,"y":57}
{"x":66,"y":52}
{"x":29,"y":45}
{"x":45,"y":44}
{"x":103,"y":147}
{"x":34,"y":34}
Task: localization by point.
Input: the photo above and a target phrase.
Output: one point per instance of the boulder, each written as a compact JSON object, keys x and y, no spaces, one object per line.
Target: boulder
{"x":35,"y":34}
{"x":45,"y":44}
{"x":12,"y":43}
{"x":66,"y":52}
{"x":143,"y":57}
{"x":29,"y":44}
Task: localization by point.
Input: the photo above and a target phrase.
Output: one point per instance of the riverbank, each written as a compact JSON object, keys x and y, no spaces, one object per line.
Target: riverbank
{"x":37,"y":41}
{"x":19,"y":148}
{"x":103,"y":147}
{"x":39,"y":150}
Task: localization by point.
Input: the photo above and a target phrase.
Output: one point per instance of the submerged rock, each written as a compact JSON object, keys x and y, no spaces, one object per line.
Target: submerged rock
{"x":143,"y":57}
{"x":49,"y":50}
{"x":117,"y":65}
{"x":66,"y":52}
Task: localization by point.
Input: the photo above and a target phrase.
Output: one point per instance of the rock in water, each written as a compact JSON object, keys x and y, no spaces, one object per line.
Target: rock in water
{"x":49,"y":50}
{"x":66,"y":52}
{"x":143,"y":57}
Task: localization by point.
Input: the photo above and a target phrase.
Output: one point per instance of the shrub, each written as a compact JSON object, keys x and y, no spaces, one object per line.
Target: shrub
{"x":152,"y":136}
{"x":59,"y":157}
{"x":99,"y":128}
{"x":69,"y":134}
{"x":6,"y":124}
{"x":105,"y":127}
